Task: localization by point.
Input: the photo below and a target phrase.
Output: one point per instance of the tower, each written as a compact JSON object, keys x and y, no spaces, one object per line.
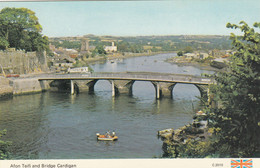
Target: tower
{"x":84,"y":45}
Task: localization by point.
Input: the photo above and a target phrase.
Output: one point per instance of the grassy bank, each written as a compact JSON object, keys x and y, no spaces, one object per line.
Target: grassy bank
{"x":181,"y":61}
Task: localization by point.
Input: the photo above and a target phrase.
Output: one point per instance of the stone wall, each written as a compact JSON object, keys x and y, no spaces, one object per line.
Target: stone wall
{"x":19,"y":86}
{"x":29,"y":85}
{"x":5,"y":89}
{"x":21,"y":62}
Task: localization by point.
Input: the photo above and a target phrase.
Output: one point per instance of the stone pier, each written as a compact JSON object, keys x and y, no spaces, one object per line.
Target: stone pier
{"x":72,"y":90}
{"x":122,"y":87}
{"x":86,"y":85}
{"x":163,"y":89}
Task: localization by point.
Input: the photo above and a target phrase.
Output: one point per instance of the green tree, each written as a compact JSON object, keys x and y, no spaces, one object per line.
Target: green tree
{"x":237,"y":117}
{"x":20,"y":28}
{"x":179,"y":53}
{"x":122,"y":46}
{"x":4,"y":154}
{"x":100,"y":50}
{"x":188,"y":49}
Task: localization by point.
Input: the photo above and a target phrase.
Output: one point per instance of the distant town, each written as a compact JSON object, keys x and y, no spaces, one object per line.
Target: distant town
{"x":70,"y":52}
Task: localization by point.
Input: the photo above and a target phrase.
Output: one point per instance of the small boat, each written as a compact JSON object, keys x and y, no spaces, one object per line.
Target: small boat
{"x":107,"y":137}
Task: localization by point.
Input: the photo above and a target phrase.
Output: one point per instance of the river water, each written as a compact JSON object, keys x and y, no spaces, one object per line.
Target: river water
{"x":62,"y":126}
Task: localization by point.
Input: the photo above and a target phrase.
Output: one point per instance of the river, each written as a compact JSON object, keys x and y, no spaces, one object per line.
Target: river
{"x":62,"y":126}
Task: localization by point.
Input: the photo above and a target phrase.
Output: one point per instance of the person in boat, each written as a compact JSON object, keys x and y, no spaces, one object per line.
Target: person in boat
{"x":113,"y":134}
{"x":108,"y":134}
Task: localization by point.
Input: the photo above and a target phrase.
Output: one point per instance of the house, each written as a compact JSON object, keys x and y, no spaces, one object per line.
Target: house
{"x":64,"y":62}
{"x":63,"y":51}
{"x":112,"y":48}
{"x":78,"y":70}
{"x":71,"y":53}
{"x":218,"y":53}
{"x":190,"y":55}
{"x":203,"y":55}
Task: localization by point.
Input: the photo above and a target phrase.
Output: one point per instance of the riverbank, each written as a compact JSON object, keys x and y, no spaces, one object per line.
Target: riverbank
{"x":178,"y":142}
{"x":182,"y":61}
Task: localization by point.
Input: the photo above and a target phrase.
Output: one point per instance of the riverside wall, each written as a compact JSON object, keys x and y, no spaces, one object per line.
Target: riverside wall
{"x":10,"y":87}
{"x":27,"y":86}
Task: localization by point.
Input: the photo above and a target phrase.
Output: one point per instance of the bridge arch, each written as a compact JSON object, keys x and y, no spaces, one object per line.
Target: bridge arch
{"x":143,"y":88}
{"x":63,"y":86}
{"x":185,"y":91}
{"x":204,"y":91}
{"x":100,"y":85}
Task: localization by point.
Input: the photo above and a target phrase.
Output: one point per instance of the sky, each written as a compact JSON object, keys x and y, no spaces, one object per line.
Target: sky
{"x":140,"y":18}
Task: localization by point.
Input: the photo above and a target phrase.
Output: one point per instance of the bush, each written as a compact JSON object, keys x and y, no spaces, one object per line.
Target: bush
{"x":4,"y":145}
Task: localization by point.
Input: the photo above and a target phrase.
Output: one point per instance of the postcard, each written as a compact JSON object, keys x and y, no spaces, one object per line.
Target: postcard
{"x":129,"y":84}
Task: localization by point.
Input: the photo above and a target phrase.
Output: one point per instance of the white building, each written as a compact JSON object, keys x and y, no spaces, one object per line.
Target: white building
{"x":71,"y":51}
{"x":78,"y":70}
{"x":204,"y":55}
{"x":190,"y":55}
{"x":112,"y":48}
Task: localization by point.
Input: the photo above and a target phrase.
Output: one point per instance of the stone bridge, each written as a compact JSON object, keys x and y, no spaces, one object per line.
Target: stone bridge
{"x":122,"y":82}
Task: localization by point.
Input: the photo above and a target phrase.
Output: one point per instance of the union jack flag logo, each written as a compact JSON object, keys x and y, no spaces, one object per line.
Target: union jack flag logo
{"x":248,"y":163}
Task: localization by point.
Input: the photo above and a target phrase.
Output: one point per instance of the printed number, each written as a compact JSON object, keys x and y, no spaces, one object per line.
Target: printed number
{"x":217,"y":165}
